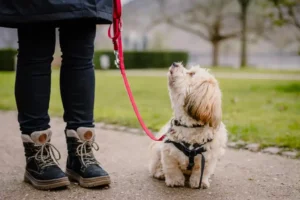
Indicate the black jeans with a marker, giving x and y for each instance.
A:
(33, 76)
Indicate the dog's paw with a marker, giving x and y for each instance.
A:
(205, 184)
(194, 182)
(175, 180)
(159, 175)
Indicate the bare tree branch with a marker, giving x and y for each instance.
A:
(196, 19)
(207, 19)
(230, 35)
(189, 29)
(292, 14)
(286, 11)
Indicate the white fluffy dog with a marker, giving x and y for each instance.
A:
(196, 127)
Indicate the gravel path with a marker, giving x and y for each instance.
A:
(240, 175)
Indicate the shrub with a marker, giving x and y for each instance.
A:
(143, 59)
(7, 59)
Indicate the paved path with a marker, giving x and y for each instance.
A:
(241, 175)
(226, 75)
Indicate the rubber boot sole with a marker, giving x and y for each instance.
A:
(46, 184)
(88, 182)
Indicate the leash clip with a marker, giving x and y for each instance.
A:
(117, 60)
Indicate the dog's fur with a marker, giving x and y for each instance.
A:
(196, 99)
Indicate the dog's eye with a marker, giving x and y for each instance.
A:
(191, 73)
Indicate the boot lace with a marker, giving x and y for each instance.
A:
(86, 154)
(46, 155)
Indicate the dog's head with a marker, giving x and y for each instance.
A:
(195, 93)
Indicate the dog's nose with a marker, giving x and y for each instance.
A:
(174, 64)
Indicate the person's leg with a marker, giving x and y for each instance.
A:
(77, 78)
(77, 83)
(33, 77)
(32, 93)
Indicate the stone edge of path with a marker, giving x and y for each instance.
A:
(254, 147)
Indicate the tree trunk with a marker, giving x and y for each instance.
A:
(243, 56)
(215, 53)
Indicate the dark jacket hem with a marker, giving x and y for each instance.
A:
(99, 17)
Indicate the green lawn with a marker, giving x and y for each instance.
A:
(231, 70)
(263, 111)
(254, 70)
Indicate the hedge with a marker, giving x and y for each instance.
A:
(7, 59)
(143, 59)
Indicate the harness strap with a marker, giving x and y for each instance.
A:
(202, 169)
(191, 155)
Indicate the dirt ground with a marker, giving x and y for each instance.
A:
(240, 175)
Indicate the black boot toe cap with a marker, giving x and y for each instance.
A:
(94, 171)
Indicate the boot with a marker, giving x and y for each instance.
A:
(42, 170)
(82, 165)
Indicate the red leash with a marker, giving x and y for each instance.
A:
(119, 62)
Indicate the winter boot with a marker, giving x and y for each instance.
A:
(42, 169)
(82, 165)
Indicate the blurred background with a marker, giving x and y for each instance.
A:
(227, 33)
(252, 46)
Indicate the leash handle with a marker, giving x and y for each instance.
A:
(119, 62)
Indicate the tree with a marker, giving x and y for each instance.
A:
(211, 20)
(280, 38)
(286, 13)
(244, 5)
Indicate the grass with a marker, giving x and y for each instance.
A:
(263, 111)
(233, 70)
(254, 70)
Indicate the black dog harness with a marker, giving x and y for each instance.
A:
(191, 153)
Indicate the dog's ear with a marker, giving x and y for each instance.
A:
(204, 103)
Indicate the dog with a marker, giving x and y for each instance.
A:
(196, 126)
